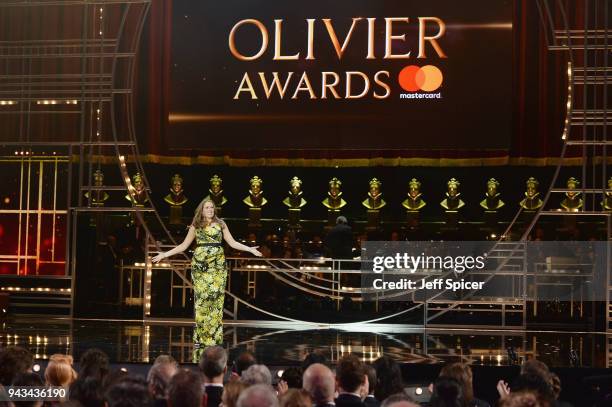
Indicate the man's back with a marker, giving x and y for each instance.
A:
(339, 241)
(349, 400)
(214, 394)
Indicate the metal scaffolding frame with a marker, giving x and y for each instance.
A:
(589, 76)
(93, 85)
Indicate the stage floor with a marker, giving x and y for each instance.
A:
(282, 344)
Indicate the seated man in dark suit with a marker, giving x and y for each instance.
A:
(351, 379)
(213, 365)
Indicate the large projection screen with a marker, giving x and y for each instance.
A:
(342, 74)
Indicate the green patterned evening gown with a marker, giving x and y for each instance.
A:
(209, 274)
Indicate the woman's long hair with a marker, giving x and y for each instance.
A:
(388, 378)
(199, 220)
(463, 374)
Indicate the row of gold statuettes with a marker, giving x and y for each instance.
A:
(334, 201)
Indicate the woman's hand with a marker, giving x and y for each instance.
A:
(158, 258)
(255, 252)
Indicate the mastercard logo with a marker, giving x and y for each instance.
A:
(427, 78)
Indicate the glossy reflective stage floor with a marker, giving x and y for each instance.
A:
(287, 343)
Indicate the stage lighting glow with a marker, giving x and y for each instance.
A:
(147, 287)
(50, 102)
(418, 391)
(280, 373)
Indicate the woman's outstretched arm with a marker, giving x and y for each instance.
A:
(178, 249)
(237, 245)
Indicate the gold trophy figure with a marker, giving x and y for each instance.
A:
(492, 201)
(415, 201)
(374, 200)
(374, 203)
(98, 196)
(255, 201)
(334, 201)
(295, 201)
(138, 194)
(215, 192)
(607, 202)
(532, 200)
(452, 202)
(573, 200)
(176, 199)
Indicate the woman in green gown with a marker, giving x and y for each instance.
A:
(208, 271)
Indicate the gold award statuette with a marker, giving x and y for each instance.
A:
(98, 197)
(137, 194)
(176, 197)
(215, 192)
(295, 200)
(255, 199)
(414, 201)
(532, 200)
(452, 202)
(492, 201)
(607, 202)
(573, 198)
(374, 200)
(334, 199)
